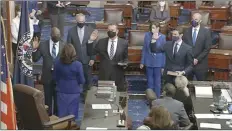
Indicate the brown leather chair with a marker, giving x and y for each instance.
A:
(113, 16)
(136, 37)
(225, 41)
(33, 114)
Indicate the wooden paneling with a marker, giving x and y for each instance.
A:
(121, 28)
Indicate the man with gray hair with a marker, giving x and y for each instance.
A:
(78, 36)
(199, 38)
(176, 108)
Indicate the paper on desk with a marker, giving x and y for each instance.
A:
(204, 116)
(210, 125)
(226, 95)
(101, 106)
(95, 128)
(204, 91)
(214, 116)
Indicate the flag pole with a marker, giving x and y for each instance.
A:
(1, 78)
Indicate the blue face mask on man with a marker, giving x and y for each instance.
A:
(194, 23)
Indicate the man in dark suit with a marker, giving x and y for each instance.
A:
(49, 51)
(113, 51)
(199, 38)
(179, 57)
(174, 107)
(78, 36)
(57, 10)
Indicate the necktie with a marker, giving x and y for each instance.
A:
(54, 51)
(175, 50)
(112, 50)
(80, 34)
(194, 36)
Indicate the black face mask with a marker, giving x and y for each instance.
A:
(80, 25)
(55, 39)
(111, 34)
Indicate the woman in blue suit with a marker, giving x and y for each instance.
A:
(68, 74)
(153, 58)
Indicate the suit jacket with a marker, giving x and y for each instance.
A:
(68, 77)
(156, 15)
(183, 60)
(53, 9)
(109, 69)
(150, 59)
(44, 52)
(202, 46)
(186, 100)
(81, 49)
(176, 110)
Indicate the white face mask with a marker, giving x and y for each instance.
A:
(19, 13)
(162, 3)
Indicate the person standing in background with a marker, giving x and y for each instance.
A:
(15, 29)
(78, 36)
(199, 38)
(68, 75)
(36, 14)
(49, 51)
(57, 10)
(160, 13)
(153, 58)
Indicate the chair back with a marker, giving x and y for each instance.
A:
(136, 37)
(113, 16)
(225, 41)
(102, 33)
(30, 106)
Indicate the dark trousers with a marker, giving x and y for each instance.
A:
(169, 79)
(58, 21)
(88, 79)
(50, 97)
(14, 49)
(201, 74)
(154, 79)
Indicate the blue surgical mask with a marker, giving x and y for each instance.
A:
(175, 38)
(194, 23)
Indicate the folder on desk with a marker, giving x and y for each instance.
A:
(172, 73)
(204, 91)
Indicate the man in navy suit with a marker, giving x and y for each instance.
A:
(179, 57)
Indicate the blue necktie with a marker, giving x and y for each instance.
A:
(194, 36)
(54, 51)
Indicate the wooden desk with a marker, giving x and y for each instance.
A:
(127, 11)
(227, 29)
(121, 28)
(220, 62)
(219, 15)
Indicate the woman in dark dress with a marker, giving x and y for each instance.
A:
(68, 74)
(160, 13)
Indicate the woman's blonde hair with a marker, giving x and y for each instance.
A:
(160, 118)
(166, 7)
(181, 82)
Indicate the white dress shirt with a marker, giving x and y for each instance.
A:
(51, 46)
(115, 45)
(178, 46)
(15, 29)
(81, 32)
(193, 29)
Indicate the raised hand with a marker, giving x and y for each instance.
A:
(35, 43)
(94, 35)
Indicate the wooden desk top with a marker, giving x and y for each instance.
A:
(221, 52)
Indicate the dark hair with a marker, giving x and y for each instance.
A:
(170, 90)
(113, 24)
(68, 54)
(157, 24)
(17, 8)
(179, 29)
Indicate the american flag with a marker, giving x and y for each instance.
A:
(8, 115)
